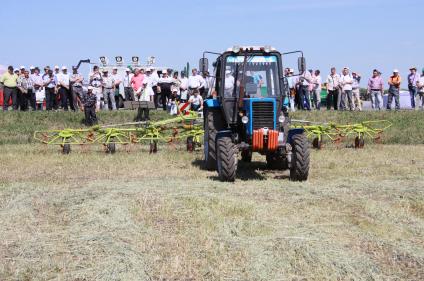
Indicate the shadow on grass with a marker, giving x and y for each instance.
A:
(247, 171)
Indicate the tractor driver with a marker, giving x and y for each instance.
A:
(229, 84)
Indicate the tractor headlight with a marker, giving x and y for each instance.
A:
(282, 118)
(245, 119)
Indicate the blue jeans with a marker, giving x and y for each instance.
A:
(413, 93)
(304, 97)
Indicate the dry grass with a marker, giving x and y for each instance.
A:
(91, 216)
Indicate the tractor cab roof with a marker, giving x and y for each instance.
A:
(237, 49)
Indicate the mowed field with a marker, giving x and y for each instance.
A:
(135, 216)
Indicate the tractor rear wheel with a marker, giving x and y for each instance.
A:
(214, 122)
(276, 162)
(299, 170)
(226, 159)
(246, 155)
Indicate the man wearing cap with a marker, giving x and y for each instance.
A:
(356, 95)
(64, 90)
(76, 82)
(413, 79)
(96, 83)
(39, 93)
(26, 87)
(421, 90)
(108, 90)
(31, 70)
(333, 88)
(183, 87)
(165, 84)
(346, 82)
(376, 90)
(292, 88)
(89, 101)
(9, 80)
(119, 99)
(394, 88)
(56, 70)
(128, 90)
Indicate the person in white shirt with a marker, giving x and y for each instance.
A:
(304, 82)
(128, 90)
(38, 88)
(291, 80)
(183, 87)
(316, 90)
(196, 101)
(356, 91)
(346, 82)
(229, 84)
(195, 81)
(119, 99)
(64, 90)
(420, 85)
(208, 82)
(333, 89)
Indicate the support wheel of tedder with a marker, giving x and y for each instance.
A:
(246, 155)
(226, 159)
(276, 162)
(299, 170)
(317, 143)
(190, 144)
(213, 122)
(359, 142)
(66, 149)
(153, 147)
(111, 148)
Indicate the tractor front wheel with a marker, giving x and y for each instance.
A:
(299, 170)
(214, 122)
(226, 159)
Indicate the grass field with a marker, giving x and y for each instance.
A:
(135, 216)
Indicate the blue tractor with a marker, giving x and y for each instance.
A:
(245, 113)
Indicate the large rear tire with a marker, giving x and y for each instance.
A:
(214, 122)
(299, 170)
(226, 159)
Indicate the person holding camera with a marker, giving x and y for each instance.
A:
(50, 86)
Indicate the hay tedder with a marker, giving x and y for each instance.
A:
(336, 133)
(183, 127)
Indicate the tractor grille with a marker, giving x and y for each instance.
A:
(262, 115)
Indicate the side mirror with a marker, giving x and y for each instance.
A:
(301, 64)
(203, 65)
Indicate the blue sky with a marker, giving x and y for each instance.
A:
(361, 34)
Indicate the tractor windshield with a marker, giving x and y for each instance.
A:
(260, 77)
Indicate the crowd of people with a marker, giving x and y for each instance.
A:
(343, 90)
(56, 89)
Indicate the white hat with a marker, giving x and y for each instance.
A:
(64, 68)
(395, 71)
(90, 88)
(227, 71)
(127, 69)
(291, 70)
(56, 67)
(31, 67)
(115, 68)
(22, 67)
(347, 68)
(165, 71)
(148, 69)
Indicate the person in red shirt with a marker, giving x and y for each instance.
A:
(137, 82)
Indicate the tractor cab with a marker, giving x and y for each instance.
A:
(246, 109)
